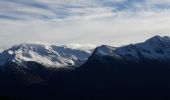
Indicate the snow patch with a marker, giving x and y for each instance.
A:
(49, 55)
(156, 48)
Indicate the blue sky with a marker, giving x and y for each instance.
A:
(112, 22)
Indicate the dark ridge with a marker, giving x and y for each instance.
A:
(114, 79)
(101, 78)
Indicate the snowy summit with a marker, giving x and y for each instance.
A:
(48, 55)
(156, 48)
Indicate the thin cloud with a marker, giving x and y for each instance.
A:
(113, 22)
(61, 9)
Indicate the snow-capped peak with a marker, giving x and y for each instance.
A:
(158, 39)
(156, 48)
(104, 50)
(49, 55)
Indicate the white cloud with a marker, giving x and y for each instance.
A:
(157, 1)
(82, 22)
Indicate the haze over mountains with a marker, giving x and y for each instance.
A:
(156, 48)
(48, 55)
(81, 49)
(116, 72)
(113, 22)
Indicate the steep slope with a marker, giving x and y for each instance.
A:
(48, 55)
(133, 72)
(156, 48)
(139, 71)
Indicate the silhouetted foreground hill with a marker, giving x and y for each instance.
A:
(139, 72)
(115, 80)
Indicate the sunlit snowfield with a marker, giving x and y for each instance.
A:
(84, 49)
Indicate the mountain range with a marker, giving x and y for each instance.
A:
(156, 48)
(48, 55)
(139, 71)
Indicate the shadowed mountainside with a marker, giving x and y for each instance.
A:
(129, 72)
